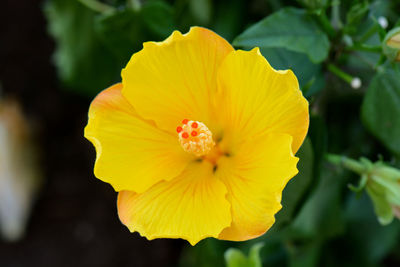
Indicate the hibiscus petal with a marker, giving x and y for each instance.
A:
(192, 206)
(175, 79)
(255, 99)
(255, 178)
(132, 154)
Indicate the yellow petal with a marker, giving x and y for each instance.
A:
(192, 206)
(255, 178)
(172, 80)
(255, 99)
(132, 154)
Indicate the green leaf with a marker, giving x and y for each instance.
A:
(228, 18)
(201, 11)
(254, 254)
(289, 28)
(235, 258)
(322, 216)
(124, 31)
(355, 16)
(297, 186)
(381, 109)
(366, 240)
(158, 17)
(83, 63)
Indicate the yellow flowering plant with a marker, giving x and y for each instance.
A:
(198, 139)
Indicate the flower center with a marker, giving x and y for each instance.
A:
(195, 137)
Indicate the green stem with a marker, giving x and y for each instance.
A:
(341, 74)
(97, 6)
(348, 163)
(353, 165)
(365, 47)
(336, 23)
(326, 24)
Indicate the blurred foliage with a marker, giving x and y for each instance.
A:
(328, 44)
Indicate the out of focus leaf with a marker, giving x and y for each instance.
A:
(288, 28)
(235, 258)
(366, 239)
(228, 18)
(314, 4)
(201, 11)
(298, 185)
(305, 255)
(93, 48)
(158, 17)
(125, 30)
(83, 63)
(381, 109)
(120, 32)
(355, 16)
(322, 216)
(207, 252)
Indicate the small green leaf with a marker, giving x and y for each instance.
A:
(289, 28)
(381, 109)
(235, 257)
(254, 255)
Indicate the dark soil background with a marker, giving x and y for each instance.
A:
(74, 221)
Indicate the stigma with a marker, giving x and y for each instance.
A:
(195, 137)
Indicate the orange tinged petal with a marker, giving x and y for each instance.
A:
(132, 154)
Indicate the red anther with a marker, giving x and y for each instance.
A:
(194, 125)
(185, 135)
(194, 133)
(185, 121)
(179, 129)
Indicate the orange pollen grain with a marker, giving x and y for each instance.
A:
(185, 121)
(195, 125)
(194, 133)
(185, 135)
(179, 129)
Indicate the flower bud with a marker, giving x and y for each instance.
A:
(382, 183)
(383, 187)
(391, 44)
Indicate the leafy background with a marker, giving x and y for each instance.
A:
(57, 55)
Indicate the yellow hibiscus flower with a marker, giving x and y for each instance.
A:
(198, 139)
